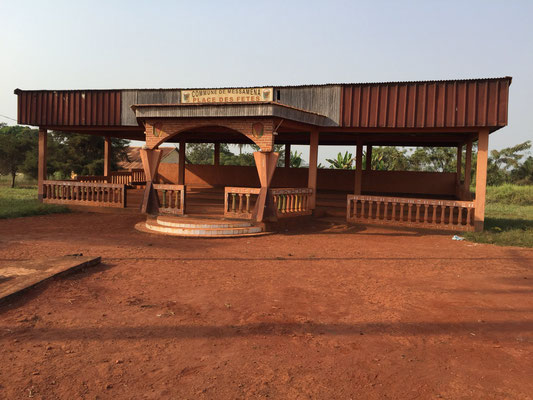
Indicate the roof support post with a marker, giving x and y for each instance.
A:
(266, 165)
(481, 179)
(107, 156)
(287, 156)
(368, 159)
(216, 155)
(358, 167)
(459, 159)
(181, 164)
(41, 165)
(468, 169)
(150, 159)
(313, 159)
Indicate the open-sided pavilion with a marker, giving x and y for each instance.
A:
(452, 113)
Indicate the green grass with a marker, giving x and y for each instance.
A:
(508, 217)
(22, 200)
(510, 194)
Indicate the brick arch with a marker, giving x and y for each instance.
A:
(159, 132)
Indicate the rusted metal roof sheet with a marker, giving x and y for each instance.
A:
(436, 104)
(68, 107)
(419, 104)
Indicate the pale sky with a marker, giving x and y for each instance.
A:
(158, 44)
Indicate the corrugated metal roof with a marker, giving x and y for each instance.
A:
(282, 85)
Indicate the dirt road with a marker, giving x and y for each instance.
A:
(325, 312)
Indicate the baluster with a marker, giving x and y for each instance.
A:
(442, 213)
(402, 206)
(450, 220)
(247, 202)
(293, 205)
(393, 214)
(164, 195)
(417, 215)
(233, 202)
(385, 211)
(409, 215)
(241, 204)
(434, 215)
(468, 216)
(378, 204)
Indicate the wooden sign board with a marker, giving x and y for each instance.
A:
(235, 95)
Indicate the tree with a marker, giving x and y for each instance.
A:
(342, 161)
(83, 154)
(388, 158)
(502, 163)
(434, 159)
(200, 153)
(296, 159)
(523, 174)
(15, 145)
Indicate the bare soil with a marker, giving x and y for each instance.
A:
(323, 311)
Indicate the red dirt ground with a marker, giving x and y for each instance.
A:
(335, 314)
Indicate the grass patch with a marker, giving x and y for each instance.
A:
(22, 202)
(510, 194)
(506, 225)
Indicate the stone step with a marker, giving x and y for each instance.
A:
(200, 223)
(153, 226)
(199, 227)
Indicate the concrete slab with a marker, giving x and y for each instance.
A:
(16, 276)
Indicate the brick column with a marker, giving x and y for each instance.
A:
(459, 164)
(150, 159)
(468, 168)
(41, 164)
(481, 179)
(313, 159)
(287, 156)
(216, 158)
(368, 163)
(107, 156)
(181, 164)
(358, 167)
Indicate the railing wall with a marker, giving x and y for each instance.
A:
(84, 193)
(132, 177)
(171, 198)
(422, 213)
(292, 202)
(239, 202)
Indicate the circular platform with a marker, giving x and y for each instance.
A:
(199, 227)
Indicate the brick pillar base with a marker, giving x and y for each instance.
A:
(150, 159)
(266, 165)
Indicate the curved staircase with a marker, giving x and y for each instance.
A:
(199, 227)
